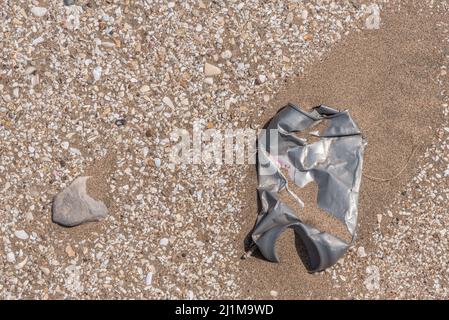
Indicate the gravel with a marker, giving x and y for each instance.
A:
(70, 71)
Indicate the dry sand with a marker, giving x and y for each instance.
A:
(384, 78)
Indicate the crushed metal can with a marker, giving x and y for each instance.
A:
(334, 163)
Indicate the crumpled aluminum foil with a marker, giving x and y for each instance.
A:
(334, 163)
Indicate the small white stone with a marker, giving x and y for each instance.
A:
(163, 242)
(31, 149)
(373, 279)
(262, 78)
(157, 162)
(168, 102)
(45, 270)
(145, 88)
(97, 73)
(199, 28)
(21, 234)
(361, 252)
(149, 279)
(11, 257)
(274, 293)
(226, 54)
(372, 22)
(211, 70)
(39, 11)
(65, 145)
(37, 41)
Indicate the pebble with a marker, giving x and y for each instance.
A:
(361, 252)
(199, 28)
(97, 73)
(168, 102)
(144, 89)
(39, 11)
(226, 54)
(211, 70)
(69, 2)
(157, 162)
(149, 279)
(45, 270)
(70, 252)
(21, 234)
(308, 37)
(274, 293)
(372, 281)
(73, 206)
(163, 242)
(65, 145)
(11, 257)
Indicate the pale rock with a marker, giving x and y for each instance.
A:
(21, 234)
(199, 28)
(144, 89)
(211, 70)
(70, 252)
(97, 73)
(149, 279)
(167, 101)
(11, 257)
(361, 252)
(274, 293)
(226, 54)
(372, 22)
(73, 206)
(163, 242)
(373, 279)
(39, 11)
(45, 270)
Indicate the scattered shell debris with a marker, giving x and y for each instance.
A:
(84, 79)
